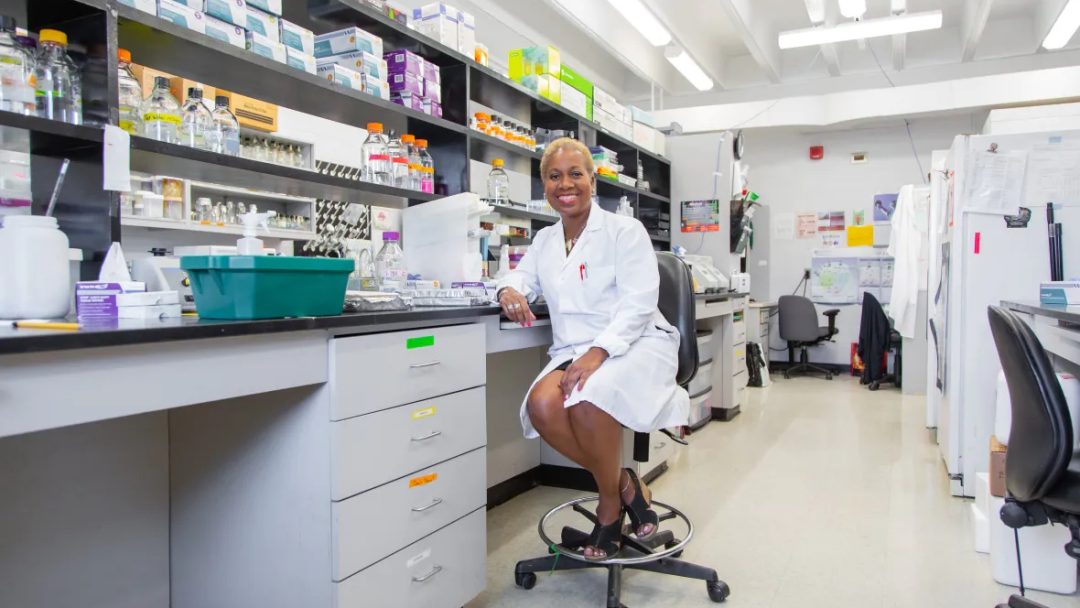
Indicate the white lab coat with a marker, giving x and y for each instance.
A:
(907, 246)
(605, 294)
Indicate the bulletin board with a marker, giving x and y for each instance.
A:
(701, 216)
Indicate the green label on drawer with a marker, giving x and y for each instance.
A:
(421, 342)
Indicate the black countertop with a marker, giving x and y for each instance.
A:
(720, 297)
(1067, 314)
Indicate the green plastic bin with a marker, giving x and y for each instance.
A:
(267, 287)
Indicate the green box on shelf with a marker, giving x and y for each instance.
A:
(267, 287)
(576, 81)
(534, 61)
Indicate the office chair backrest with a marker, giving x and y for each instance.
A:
(798, 319)
(872, 304)
(677, 305)
(1040, 441)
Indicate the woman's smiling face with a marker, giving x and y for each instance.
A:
(568, 183)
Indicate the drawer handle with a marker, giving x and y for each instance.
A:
(660, 445)
(423, 365)
(426, 577)
(431, 435)
(434, 503)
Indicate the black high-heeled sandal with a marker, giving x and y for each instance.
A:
(638, 508)
(605, 538)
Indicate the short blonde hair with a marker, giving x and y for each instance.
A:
(566, 143)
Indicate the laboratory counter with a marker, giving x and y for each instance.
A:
(1056, 326)
(1066, 314)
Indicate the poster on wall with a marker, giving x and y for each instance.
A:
(784, 226)
(884, 207)
(701, 216)
(858, 218)
(834, 280)
(806, 226)
(832, 240)
(831, 221)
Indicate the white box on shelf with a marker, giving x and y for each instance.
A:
(261, 45)
(263, 24)
(575, 101)
(299, 60)
(225, 32)
(466, 42)
(147, 6)
(296, 37)
(645, 136)
(164, 311)
(182, 15)
(1046, 565)
(642, 116)
(361, 61)
(147, 298)
(342, 76)
(348, 40)
(270, 6)
(438, 20)
(229, 11)
(376, 87)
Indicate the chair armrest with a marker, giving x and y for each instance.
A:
(831, 313)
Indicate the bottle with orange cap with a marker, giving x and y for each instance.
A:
(54, 91)
(427, 168)
(499, 183)
(413, 154)
(376, 154)
(131, 95)
(399, 162)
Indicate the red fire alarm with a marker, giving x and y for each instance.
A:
(817, 152)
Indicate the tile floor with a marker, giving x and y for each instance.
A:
(821, 494)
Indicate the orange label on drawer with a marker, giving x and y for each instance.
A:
(427, 412)
(423, 480)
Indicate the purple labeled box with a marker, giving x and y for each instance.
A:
(431, 71)
(436, 109)
(432, 90)
(404, 62)
(408, 100)
(407, 83)
(98, 299)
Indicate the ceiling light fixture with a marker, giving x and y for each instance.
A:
(1064, 28)
(867, 28)
(853, 9)
(898, 6)
(688, 67)
(644, 20)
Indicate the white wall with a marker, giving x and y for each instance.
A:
(789, 182)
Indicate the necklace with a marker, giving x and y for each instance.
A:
(570, 242)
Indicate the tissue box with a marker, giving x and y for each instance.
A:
(348, 40)
(299, 60)
(466, 42)
(376, 87)
(261, 45)
(98, 298)
(361, 61)
(438, 20)
(147, 6)
(404, 62)
(225, 32)
(230, 11)
(296, 37)
(342, 76)
(262, 24)
(270, 6)
(400, 83)
(182, 15)
(1059, 292)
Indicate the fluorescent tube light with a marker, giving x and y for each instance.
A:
(644, 20)
(853, 9)
(1064, 28)
(867, 28)
(688, 67)
(898, 6)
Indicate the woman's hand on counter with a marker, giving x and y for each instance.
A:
(516, 307)
(579, 371)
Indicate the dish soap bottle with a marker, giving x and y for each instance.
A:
(249, 245)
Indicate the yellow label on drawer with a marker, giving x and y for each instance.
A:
(427, 412)
(423, 480)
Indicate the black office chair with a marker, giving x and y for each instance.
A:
(1042, 474)
(799, 328)
(877, 337)
(660, 554)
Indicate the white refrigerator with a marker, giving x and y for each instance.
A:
(980, 261)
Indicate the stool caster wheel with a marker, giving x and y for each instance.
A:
(875, 385)
(527, 580)
(672, 543)
(718, 590)
(787, 376)
(828, 376)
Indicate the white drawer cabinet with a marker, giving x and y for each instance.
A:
(447, 568)
(702, 380)
(372, 373)
(372, 525)
(375, 448)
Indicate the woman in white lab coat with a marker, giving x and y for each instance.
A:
(614, 357)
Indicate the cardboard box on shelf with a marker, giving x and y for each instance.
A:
(252, 113)
(645, 136)
(179, 88)
(147, 6)
(361, 61)
(402, 61)
(645, 118)
(998, 452)
(400, 83)
(438, 21)
(535, 60)
(432, 90)
(225, 32)
(576, 101)
(266, 47)
(229, 11)
(348, 40)
(576, 81)
(263, 24)
(341, 75)
(294, 36)
(270, 6)
(299, 60)
(376, 87)
(146, 77)
(182, 15)
(466, 42)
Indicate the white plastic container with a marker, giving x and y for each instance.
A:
(35, 278)
(1046, 565)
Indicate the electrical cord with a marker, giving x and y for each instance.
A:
(907, 123)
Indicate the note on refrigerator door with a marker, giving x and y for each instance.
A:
(1053, 175)
(997, 181)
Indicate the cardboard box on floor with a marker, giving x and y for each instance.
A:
(998, 451)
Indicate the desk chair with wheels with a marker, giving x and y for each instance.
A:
(876, 338)
(1042, 474)
(660, 554)
(799, 328)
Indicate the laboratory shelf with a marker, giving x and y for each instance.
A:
(660, 238)
(165, 46)
(488, 140)
(160, 158)
(654, 196)
(52, 137)
(518, 212)
(602, 183)
(189, 226)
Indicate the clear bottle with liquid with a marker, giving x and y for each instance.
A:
(52, 77)
(16, 71)
(498, 183)
(376, 155)
(427, 168)
(415, 168)
(76, 73)
(196, 121)
(399, 163)
(131, 95)
(390, 268)
(226, 132)
(161, 113)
